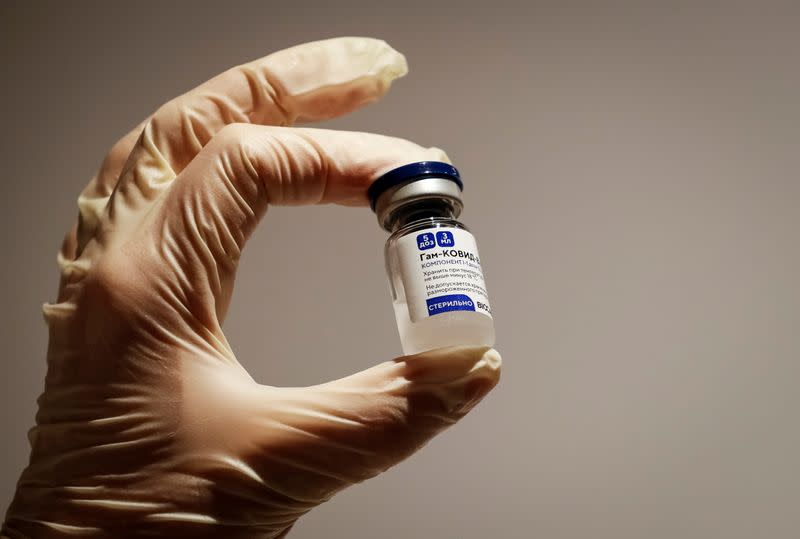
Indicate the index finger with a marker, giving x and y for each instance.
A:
(309, 82)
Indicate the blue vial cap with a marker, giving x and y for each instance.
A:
(412, 172)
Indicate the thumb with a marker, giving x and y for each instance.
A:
(312, 442)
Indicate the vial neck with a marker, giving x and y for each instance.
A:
(418, 210)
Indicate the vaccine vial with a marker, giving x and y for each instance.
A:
(432, 260)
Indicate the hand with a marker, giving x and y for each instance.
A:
(148, 425)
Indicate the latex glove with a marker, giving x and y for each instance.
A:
(148, 424)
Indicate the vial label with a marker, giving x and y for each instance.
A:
(441, 272)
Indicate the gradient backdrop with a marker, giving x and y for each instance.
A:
(631, 174)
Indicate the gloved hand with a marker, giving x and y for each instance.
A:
(148, 425)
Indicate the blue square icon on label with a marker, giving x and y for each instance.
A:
(445, 239)
(425, 241)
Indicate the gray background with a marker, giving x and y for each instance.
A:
(632, 177)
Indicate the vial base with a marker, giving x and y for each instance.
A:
(455, 328)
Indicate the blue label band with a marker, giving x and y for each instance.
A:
(452, 302)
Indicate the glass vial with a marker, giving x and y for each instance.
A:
(432, 260)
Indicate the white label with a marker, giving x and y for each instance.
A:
(441, 272)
